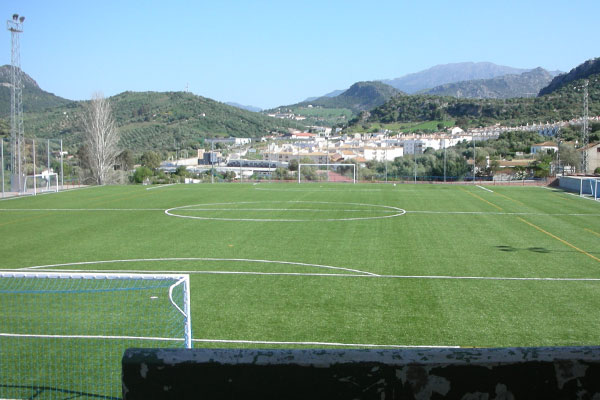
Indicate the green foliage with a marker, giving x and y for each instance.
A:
(158, 121)
(141, 174)
(597, 171)
(151, 160)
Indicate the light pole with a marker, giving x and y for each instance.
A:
(17, 137)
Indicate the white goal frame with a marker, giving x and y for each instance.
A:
(180, 279)
(36, 374)
(328, 165)
(47, 177)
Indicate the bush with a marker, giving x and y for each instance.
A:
(597, 171)
(141, 173)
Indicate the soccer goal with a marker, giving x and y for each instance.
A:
(40, 183)
(327, 173)
(62, 335)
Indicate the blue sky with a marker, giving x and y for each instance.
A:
(270, 53)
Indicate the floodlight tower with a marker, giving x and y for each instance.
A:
(585, 137)
(17, 137)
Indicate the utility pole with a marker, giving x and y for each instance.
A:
(17, 136)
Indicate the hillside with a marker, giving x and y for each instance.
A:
(527, 84)
(243, 107)
(449, 73)
(34, 98)
(582, 71)
(563, 104)
(359, 97)
(158, 121)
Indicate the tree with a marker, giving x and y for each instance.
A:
(101, 138)
(141, 173)
(151, 160)
(126, 160)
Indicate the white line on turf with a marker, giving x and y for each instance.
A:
(201, 259)
(320, 343)
(160, 186)
(481, 187)
(305, 274)
(499, 213)
(150, 338)
(173, 212)
(82, 209)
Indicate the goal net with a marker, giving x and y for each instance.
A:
(327, 173)
(41, 183)
(62, 335)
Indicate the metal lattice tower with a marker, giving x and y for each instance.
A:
(15, 26)
(585, 127)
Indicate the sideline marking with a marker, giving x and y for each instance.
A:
(481, 198)
(81, 209)
(172, 212)
(481, 187)
(559, 239)
(201, 259)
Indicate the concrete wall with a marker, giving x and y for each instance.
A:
(506, 373)
(573, 184)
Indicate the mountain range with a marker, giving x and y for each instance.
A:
(449, 73)
(525, 84)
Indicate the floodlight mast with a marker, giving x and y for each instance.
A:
(585, 128)
(17, 137)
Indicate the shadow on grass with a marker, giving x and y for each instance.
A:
(56, 392)
(532, 249)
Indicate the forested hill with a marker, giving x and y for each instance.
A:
(34, 98)
(582, 71)
(359, 97)
(563, 104)
(527, 84)
(158, 121)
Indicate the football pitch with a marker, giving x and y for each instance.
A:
(323, 265)
(336, 265)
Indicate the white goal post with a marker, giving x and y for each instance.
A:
(39, 183)
(63, 335)
(327, 173)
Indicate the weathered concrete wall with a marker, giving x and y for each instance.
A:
(507, 373)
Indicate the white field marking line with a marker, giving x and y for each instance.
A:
(282, 209)
(160, 186)
(320, 344)
(45, 336)
(305, 274)
(200, 259)
(399, 212)
(318, 190)
(81, 209)
(583, 197)
(42, 336)
(501, 213)
(481, 187)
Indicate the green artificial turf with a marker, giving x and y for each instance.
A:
(314, 265)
